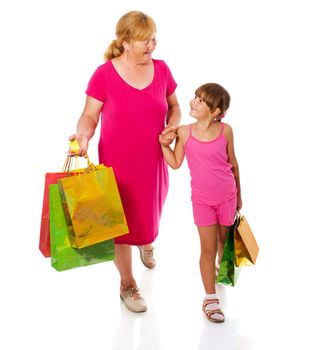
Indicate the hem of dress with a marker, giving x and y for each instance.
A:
(135, 243)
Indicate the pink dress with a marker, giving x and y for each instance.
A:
(131, 121)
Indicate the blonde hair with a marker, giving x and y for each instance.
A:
(134, 25)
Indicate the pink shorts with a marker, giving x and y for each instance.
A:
(223, 214)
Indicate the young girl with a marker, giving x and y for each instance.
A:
(209, 148)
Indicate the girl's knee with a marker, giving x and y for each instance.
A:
(209, 254)
(221, 244)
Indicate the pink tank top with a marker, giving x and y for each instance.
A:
(212, 179)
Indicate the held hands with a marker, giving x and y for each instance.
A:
(83, 144)
(167, 136)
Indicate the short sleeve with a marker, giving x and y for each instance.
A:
(97, 86)
(171, 83)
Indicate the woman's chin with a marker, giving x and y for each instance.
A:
(147, 57)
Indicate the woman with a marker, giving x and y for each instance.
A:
(135, 96)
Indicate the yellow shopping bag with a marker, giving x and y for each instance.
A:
(92, 206)
(246, 248)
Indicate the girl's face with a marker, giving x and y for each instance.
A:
(199, 109)
(141, 51)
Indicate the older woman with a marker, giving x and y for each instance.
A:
(135, 96)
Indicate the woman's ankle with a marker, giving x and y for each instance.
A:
(147, 247)
(125, 286)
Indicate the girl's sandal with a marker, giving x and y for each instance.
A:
(210, 313)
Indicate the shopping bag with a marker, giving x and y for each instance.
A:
(63, 256)
(92, 206)
(44, 245)
(246, 248)
(228, 272)
(51, 178)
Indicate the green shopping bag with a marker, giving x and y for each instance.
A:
(63, 256)
(228, 272)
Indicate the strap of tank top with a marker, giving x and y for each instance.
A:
(222, 128)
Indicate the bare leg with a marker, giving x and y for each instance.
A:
(123, 262)
(209, 247)
(208, 238)
(222, 234)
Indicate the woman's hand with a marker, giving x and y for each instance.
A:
(167, 136)
(83, 144)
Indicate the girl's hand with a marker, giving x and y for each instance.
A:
(169, 129)
(167, 136)
(239, 203)
(83, 144)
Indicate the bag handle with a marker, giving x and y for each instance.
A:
(73, 155)
(238, 217)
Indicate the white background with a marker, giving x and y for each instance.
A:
(258, 51)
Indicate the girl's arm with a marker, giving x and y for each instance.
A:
(175, 158)
(233, 161)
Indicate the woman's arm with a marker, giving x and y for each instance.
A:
(175, 158)
(173, 113)
(233, 161)
(172, 121)
(87, 123)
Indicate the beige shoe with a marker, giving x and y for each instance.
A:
(133, 300)
(147, 257)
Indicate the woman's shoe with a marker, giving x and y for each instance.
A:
(147, 257)
(133, 300)
(215, 315)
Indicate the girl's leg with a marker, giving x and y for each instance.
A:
(222, 234)
(208, 239)
(226, 214)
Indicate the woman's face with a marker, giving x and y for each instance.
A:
(141, 51)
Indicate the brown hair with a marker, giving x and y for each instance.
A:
(215, 96)
(134, 25)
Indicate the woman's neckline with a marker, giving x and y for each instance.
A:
(131, 86)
